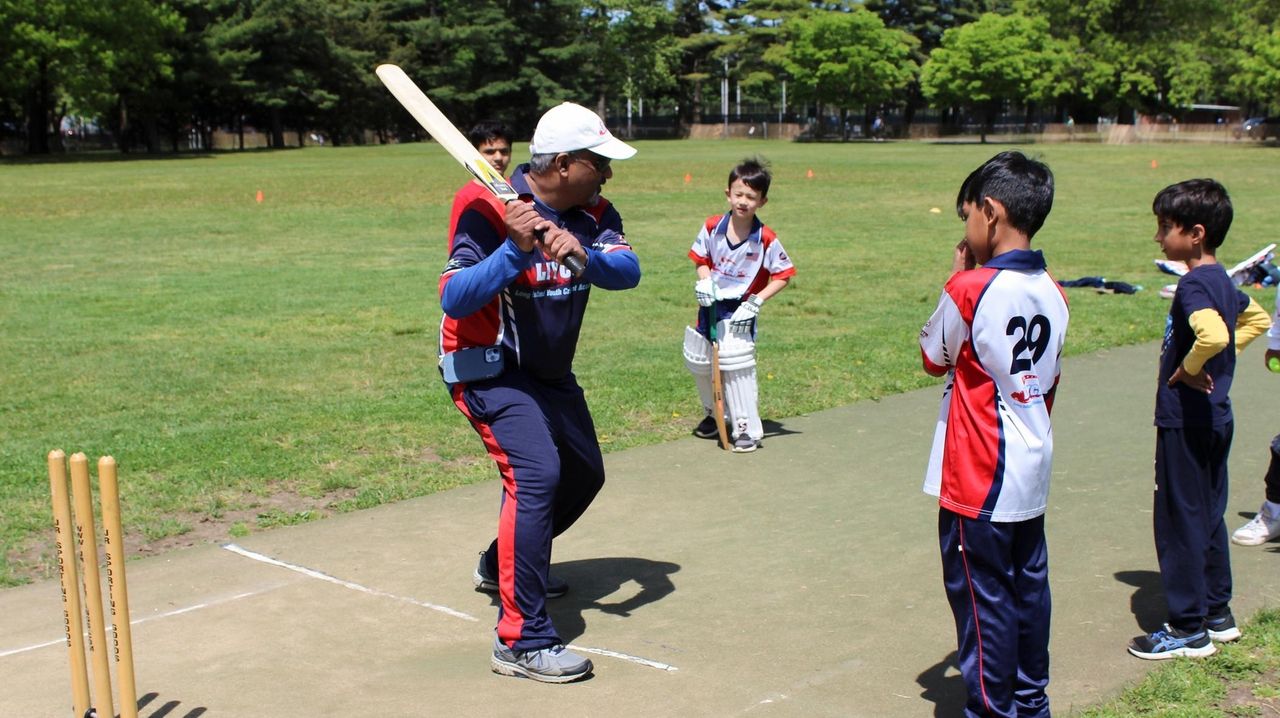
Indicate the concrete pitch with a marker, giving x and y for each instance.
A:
(802, 580)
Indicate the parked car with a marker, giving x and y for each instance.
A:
(1259, 128)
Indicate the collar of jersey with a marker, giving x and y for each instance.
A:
(1018, 259)
(722, 228)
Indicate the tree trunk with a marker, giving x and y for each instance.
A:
(38, 113)
(277, 129)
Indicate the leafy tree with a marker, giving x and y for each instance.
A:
(926, 21)
(846, 59)
(997, 59)
(1151, 55)
(648, 54)
(68, 55)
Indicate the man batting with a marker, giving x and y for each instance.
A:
(513, 312)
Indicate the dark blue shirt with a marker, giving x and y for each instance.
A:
(1180, 406)
(540, 305)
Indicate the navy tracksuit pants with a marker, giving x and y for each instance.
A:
(541, 436)
(1191, 535)
(997, 580)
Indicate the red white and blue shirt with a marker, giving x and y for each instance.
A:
(742, 269)
(492, 293)
(999, 331)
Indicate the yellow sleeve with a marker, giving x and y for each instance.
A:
(1211, 337)
(1250, 325)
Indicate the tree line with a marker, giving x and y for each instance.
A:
(153, 71)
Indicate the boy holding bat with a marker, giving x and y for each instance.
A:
(740, 264)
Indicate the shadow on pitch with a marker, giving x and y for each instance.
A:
(1147, 603)
(167, 709)
(771, 429)
(944, 687)
(617, 586)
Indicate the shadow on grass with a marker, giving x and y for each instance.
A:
(945, 692)
(1147, 603)
(593, 580)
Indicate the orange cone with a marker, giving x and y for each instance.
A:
(259, 197)
(1153, 164)
(688, 178)
(809, 174)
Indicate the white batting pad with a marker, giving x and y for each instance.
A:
(737, 351)
(740, 396)
(697, 358)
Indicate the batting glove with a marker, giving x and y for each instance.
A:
(744, 315)
(705, 291)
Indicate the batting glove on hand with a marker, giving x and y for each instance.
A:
(744, 315)
(705, 291)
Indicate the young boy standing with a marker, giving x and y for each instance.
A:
(1209, 322)
(493, 140)
(740, 265)
(998, 333)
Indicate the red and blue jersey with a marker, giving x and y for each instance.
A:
(742, 269)
(492, 293)
(999, 331)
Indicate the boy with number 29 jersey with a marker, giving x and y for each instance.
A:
(1002, 327)
(998, 334)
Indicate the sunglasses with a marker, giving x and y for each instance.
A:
(601, 164)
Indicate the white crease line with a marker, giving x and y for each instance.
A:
(233, 548)
(136, 621)
(625, 657)
(443, 609)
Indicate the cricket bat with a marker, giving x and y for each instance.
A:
(453, 141)
(717, 383)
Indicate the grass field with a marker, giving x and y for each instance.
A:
(256, 364)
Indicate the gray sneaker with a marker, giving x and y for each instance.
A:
(744, 444)
(487, 582)
(554, 664)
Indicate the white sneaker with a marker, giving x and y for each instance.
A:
(1264, 527)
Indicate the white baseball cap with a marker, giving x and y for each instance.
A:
(569, 127)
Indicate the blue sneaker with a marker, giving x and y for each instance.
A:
(1169, 642)
(487, 582)
(1222, 628)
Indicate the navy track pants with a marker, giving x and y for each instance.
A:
(1191, 535)
(997, 580)
(543, 441)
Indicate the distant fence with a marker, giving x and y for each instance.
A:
(1107, 133)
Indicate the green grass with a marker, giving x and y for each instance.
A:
(1239, 680)
(255, 365)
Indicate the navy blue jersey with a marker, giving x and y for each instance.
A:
(1179, 406)
(527, 302)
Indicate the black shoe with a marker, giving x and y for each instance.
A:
(706, 429)
(1169, 642)
(1222, 628)
(487, 582)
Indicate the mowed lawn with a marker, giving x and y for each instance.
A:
(254, 364)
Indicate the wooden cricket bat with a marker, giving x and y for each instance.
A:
(717, 384)
(453, 141)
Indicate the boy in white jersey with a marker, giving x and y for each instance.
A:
(740, 265)
(997, 334)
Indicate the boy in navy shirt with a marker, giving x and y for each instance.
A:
(1209, 322)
